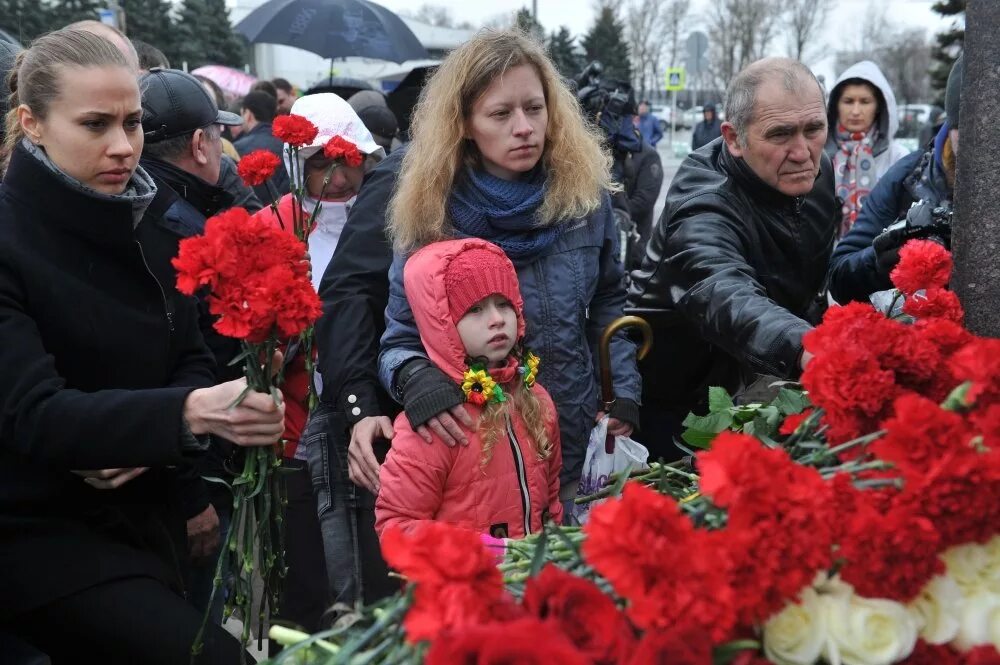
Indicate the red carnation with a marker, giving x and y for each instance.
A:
(295, 130)
(673, 647)
(979, 362)
(672, 574)
(340, 148)
(258, 284)
(256, 167)
(456, 578)
(923, 264)
(896, 564)
(986, 654)
(792, 422)
(919, 434)
(780, 517)
(582, 612)
(960, 495)
(526, 641)
(933, 654)
(934, 303)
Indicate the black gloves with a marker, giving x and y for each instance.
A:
(426, 391)
(887, 245)
(625, 410)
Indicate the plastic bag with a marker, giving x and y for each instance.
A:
(600, 463)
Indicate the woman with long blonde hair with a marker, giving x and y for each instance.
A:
(501, 151)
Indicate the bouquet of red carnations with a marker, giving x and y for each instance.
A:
(256, 282)
(256, 169)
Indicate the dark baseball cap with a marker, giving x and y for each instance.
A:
(175, 103)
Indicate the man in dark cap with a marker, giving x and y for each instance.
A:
(183, 152)
(914, 193)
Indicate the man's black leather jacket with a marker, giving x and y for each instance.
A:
(731, 276)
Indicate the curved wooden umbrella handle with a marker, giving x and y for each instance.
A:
(604, 350)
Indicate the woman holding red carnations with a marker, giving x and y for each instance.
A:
(107, 382)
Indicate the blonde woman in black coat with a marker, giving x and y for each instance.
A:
(106, 381)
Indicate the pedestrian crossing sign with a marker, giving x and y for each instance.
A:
(675, 79)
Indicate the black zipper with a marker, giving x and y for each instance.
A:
(163, 295)
(522, 476)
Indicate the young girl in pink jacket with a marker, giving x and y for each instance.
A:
(505, 482)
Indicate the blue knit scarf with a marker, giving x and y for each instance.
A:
(504, 212)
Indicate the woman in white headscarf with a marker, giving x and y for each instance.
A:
(305, 597)
(862, 121)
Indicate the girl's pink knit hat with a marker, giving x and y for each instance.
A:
(476, 274)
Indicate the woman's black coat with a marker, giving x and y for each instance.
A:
(98, 353)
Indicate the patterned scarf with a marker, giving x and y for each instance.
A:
(854, 168)
(503, 212)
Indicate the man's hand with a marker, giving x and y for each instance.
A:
(110, 479)
(203, 534)
(806, 358)
(445, 426)
(362, 466)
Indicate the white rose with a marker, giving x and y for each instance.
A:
(796, 634)
(966, 565)
(868, 631)
(991, 571)
(980, 621)
(937, 610)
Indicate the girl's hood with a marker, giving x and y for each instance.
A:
(424, 283)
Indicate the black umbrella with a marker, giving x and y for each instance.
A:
(333, 29)
(343, 86)
(404, 96)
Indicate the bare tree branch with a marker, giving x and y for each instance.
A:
(804, 21)
(741, 30)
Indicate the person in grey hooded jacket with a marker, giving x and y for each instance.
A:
(862, 118)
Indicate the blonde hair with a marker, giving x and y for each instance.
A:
(34, 78)
(577, 167)
(523, 402)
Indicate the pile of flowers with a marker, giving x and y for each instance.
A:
(863, 528)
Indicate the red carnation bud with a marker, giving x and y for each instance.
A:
(257, 167)
(295, 130)
(340, 148)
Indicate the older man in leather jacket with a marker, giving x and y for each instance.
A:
(733, 271)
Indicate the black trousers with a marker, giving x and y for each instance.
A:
(303, 596)
(127, 621)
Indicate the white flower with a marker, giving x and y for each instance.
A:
(868, 631)
(980, 621)
(796, 634)
(967, 565)
(937, 610)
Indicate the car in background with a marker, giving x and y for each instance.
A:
(913, 117)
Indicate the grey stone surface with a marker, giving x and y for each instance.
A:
(976, 233)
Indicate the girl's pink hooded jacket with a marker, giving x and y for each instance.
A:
(513, 494)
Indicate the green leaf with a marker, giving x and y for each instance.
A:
(538, 558)
(791, 402)
(719, 400)
(702, 429)
(713, 422)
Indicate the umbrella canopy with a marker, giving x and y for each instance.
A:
(342, 86)
(232, 81)
(403, 98)
(333, 29)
